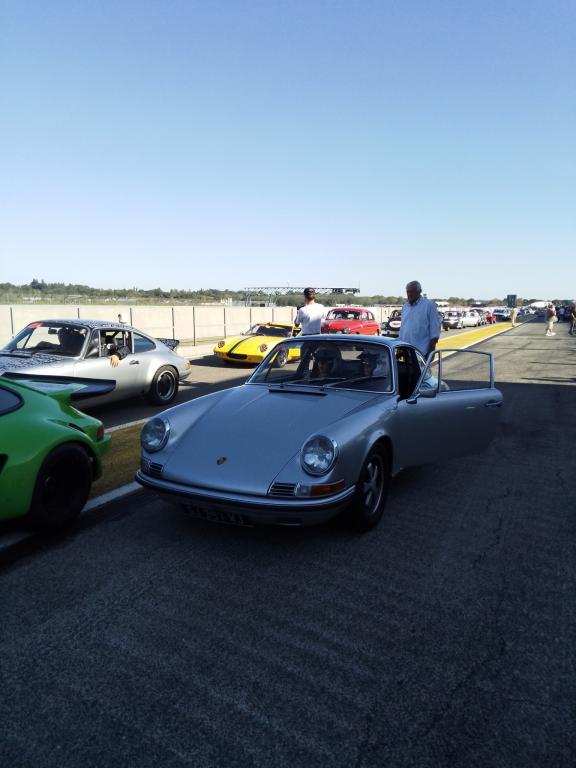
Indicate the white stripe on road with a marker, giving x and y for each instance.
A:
(125, 426)
(106, 498)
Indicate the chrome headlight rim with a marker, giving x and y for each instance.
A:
(330, 446)
(150, 442)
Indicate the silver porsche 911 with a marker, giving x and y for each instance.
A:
(83, 348)
(319, 429)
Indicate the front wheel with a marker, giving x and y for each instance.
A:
(367, 506)
(62, 487)
(164, 387)
(281, 358)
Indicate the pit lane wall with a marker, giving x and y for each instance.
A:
(190, 324)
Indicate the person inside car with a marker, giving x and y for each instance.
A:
(374, 364)
(108, 343)
(116, 349)
(326, 362)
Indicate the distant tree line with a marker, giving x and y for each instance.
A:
(42, 291)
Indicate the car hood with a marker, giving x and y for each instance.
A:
(20, 361)
(245, 436)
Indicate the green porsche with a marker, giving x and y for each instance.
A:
(50, 452)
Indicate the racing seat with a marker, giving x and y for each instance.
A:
(71, 341)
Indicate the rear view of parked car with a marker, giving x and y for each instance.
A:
(452, 319)
(471, 319)
(51, 452)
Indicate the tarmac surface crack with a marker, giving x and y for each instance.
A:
(496, 530)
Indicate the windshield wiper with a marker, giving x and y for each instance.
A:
(356, 380)
(15, 352)
(297, 388)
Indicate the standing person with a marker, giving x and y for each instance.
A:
(572, 330)
(310, 315)
(550, 316)
(421, 322)
(513, 316)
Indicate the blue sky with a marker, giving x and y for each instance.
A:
(183, 144)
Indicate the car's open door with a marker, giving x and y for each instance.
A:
(454, 409)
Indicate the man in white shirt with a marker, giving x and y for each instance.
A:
(310, 315)
(420, 324)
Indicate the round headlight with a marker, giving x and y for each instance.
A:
(155, 435)
(318, 455)
(263, 347)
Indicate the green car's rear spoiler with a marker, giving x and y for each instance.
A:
(73, 387)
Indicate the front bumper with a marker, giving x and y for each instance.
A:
(252, 509)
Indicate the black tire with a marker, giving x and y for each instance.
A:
(62, 488)
(164, 387)
(369, 502)
(281, 358)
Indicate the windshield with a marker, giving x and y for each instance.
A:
(324, 363)
(54, 338)
(343, 314)
(262, 329)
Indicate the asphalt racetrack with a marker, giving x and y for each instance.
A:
(445, 637)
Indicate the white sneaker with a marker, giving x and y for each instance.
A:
(552, 334)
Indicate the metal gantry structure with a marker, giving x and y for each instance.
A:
(284, 290)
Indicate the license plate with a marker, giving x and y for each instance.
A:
(217, 516)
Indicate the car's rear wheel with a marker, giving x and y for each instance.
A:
(164, 387)
(61, 488)
(367, 506)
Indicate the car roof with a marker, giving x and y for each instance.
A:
(86, 323)
(357, 338)
(351, 309)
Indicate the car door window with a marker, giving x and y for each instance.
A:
(117, 337)
(463, 370)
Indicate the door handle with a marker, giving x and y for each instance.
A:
(134, 362)
(493, 404)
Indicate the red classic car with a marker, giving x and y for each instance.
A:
(351, 320)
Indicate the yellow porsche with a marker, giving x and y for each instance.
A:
(254, 344)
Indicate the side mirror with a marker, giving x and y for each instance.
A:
(427, 393)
